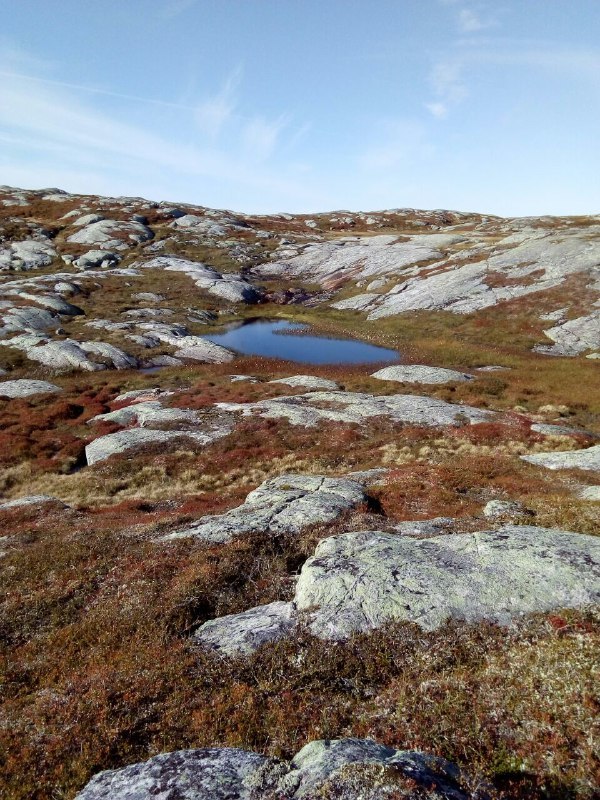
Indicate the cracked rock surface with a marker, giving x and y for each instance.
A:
(359, 581)
(287, 503)
(310, 409)
(346, 769)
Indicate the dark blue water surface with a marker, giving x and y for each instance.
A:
(263, 338)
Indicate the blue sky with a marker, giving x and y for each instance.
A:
(306, 105)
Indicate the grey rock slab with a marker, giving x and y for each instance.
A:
(96, 258)
(228, 286)
(56, 304)
(87, 219)
(415, 373)
(336, 262)
(120, 442)
(310, 409)
(308, 382)
(287, 504)
(141, 395)
(31, 500)
(26, 255)
(58, 355)
(326, 768)
(573, 337)
(28, 318)
(558, 430)
(590, 493)
(26, 388)
(113, 356)
(147, 414)
(208, 774)
(112, 234)
(360, 581)
(66, 287)
(148, 297)
(195, 348)
(588, 459)
(242, 634)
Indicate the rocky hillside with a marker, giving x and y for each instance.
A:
(235, 576)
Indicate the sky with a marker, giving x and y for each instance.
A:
(306, 105)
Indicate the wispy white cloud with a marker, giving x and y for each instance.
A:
(470, 22)
(213, 113)
(398, 143)
(173, 8)
(438, 109)
(51, 122)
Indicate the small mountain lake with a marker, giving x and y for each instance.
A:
(288, 340)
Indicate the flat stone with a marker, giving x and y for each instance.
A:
(588, 459)
(414, 373)
(120, 442)
(310, 409)
(308, 382)
(287, 504)
(31, 500)
(360, 581)
(26, 388)
(242, 634)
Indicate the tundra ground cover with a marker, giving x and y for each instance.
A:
(98, 668)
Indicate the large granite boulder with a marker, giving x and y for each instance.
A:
(360, 581)
(344, 769)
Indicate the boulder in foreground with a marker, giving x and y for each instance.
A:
(346, 769)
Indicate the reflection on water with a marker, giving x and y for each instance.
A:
(263, 338)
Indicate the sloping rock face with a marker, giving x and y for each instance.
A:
(112, 234)
(228, 286)
(288, 503)
(359, 581)
(205, 432)
(310, 409)
(573, 337)
(326, 768)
